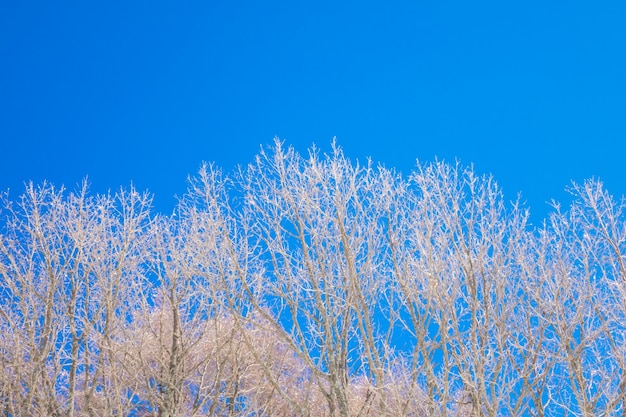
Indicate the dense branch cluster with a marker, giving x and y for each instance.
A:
(312, 286)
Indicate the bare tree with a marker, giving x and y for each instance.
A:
(320, 223)
(581, 302)
(67, 266)
(455, 251)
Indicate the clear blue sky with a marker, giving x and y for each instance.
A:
(533, 92)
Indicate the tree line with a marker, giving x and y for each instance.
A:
(312, 285)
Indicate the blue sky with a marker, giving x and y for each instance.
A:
(532, 92)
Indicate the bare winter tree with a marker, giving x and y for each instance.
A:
(321, 225)
(68, 264)
(579, 297)
(185, 346)
(455, 255)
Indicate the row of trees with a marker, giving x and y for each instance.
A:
(312, 286)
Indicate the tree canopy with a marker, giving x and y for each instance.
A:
(313, 285)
